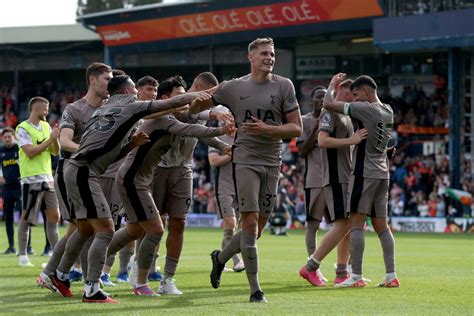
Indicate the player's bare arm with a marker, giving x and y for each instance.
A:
(329, 103)
(180, 100)
(65, 140)
(217, 160)
(326, 141)
(306, 146)
(292, 128)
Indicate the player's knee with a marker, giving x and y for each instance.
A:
(230, 223)
(176, 225)
(134, 230)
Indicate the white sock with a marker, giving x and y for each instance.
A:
(62, 276)
(23, 258)
(77, 270)
(139, 285)
(357, 276)
(390, 276)
(314, 259)
(90, 288)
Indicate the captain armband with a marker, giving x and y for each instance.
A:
(347, 108)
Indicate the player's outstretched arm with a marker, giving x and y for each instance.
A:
(326, 141)
(292, 128)
(178, 101)
(329, 102)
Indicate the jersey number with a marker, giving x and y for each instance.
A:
(108, 120)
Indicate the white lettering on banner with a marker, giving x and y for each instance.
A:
(234, 17)
(302, 13)
(116, 35)
(260, 17)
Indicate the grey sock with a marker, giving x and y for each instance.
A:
(96, 255)
(83, 257)
(147, 251)
(170, 266)
(153, 263)
(137, 244)
(232, 248)
(23, 234)
(341, 270)
(109, 262)
(124, 258)
(52, 233)
(58, 252)
(248, 245)
(72, 250)
(310, 236)
(120, 240)
(357, 249)
(388, 247)
(312, 265)
(228, 233)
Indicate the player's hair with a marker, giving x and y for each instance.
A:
(166, 87)
(260, 41)
(362, 81)
(315, 89)
(147, 81)
(346, 84)
(35, 100)
(209, 78)
(117, 84)
(8, 129)
(118, 72)
(96, 69)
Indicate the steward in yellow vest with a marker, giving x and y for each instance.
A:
(37, 143)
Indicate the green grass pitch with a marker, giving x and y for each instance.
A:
(436, 273)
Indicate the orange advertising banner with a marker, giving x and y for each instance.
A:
(410, 129)
(288, 13)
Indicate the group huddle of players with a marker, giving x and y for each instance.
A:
(128, 153)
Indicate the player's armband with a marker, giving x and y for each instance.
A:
(347, 108)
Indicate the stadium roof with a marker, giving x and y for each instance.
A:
(45, 34)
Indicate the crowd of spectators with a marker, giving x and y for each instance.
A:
(417, 181)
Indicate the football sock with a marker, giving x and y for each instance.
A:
(232, 248)
(23, 234)
(341, 270)
(248, 245)
(58, 252)
(83, 257)
(120, 240)
(311, 235)
(312, 264)
(357, 249)
(146, 253)
(124, 258)
(96, 255)
(52, 234)
(72, 250)
(170, 267)
(388, 248)
(228, 233)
